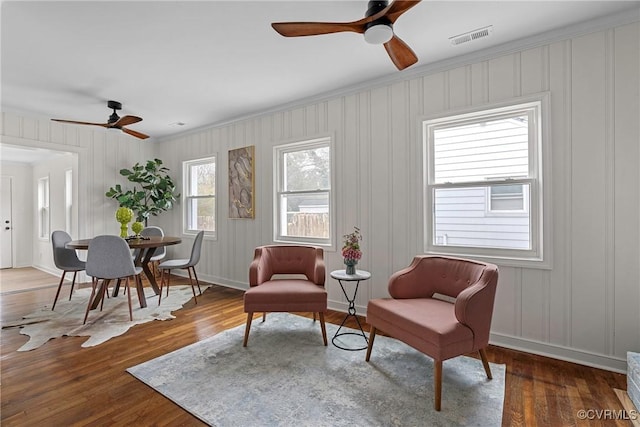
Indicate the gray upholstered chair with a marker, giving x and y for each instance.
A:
(160, 252)
(109, 258)
(65, 259)
(185, 264)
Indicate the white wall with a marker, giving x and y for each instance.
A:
(22, 210)
(586, 307)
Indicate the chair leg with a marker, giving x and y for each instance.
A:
(437, 384)
(197, 281)
(323, 327)
(247, 328)
(485, 362)
(64, 272)
(93, 292)
(161, 285)
(73, 282)
(264, 316)
(126, 284)
(193, 289)
(372, 336)
(314, 316)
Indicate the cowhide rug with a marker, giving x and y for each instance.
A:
(45, 324)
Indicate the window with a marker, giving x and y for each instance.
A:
(199, 180)
(43, 208)
(483, 183)
(303, 198)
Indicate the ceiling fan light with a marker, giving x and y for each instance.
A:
(378, 34)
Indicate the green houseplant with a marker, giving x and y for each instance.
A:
(153, 190)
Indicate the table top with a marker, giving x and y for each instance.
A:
(151, 242)
(342, 275)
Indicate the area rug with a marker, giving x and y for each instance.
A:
(45, 324)
(286, 377)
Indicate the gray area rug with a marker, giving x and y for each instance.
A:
(286, 377)
(45, 324)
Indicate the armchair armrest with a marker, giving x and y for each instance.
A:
(259, 270)
(474, 306)
(318, 268)
(411, 282)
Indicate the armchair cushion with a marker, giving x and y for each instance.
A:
(286, 295)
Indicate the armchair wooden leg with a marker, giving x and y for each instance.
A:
(264, 316)
(437, 384)
(323, 327)
(485, 362)
(372, 336)
(247, 328)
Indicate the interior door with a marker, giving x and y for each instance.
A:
(6, 230)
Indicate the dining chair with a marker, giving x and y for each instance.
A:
(65, 259)
(109, 258)
(160, 252)
(184, 264)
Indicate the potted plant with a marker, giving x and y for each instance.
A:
(153, 190)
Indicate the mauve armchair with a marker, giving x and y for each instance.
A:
(442, 307)
(286, 294)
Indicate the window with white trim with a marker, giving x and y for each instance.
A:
(68, 201)
(303, 197)
(199, 189)
(483, 183)
(43, 208)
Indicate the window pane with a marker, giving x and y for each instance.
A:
(483, 150)
(507, 198)
(307, 169)
(203, 179)
(307, 215)
(460, 219)
(201, 214)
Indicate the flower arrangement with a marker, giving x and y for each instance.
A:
(351, 249)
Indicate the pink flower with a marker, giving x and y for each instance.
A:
(351, 248)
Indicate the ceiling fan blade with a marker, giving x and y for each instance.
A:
(399, 7)
(401, 54)
(81, 123)
(297, 29)
(134, 133)
(126, 120)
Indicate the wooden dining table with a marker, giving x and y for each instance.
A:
(147, 246)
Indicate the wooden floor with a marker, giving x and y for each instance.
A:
(62, 384)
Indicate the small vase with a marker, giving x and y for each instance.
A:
(351, 265)
(124, 229)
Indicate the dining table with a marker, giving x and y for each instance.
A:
(147, 246)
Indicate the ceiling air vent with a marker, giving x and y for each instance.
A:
(471, 35)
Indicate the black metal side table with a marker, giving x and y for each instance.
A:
(342, 276)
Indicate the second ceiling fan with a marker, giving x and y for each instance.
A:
(377, 27)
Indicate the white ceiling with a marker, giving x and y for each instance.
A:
(209, 62)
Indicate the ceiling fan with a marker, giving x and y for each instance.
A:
(114, 122)
(377, 27)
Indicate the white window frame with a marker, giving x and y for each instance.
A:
(538, 180)
(278, 184)
(186, 191)
(68, 201)
(44, 215)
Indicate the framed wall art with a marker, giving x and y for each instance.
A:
(241, 183)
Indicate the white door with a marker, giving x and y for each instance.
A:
(6, 227)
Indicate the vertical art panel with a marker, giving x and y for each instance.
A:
(241, 183)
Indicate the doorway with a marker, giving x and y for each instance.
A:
(6, 232)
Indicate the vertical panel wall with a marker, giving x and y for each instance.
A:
(586, 307)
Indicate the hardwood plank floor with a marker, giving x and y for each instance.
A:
(62, 384)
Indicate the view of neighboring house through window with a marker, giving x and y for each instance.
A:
(199, 196)
(483, 192)
(43, 208)
(303, 196)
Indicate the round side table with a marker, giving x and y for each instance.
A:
(341, 276)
